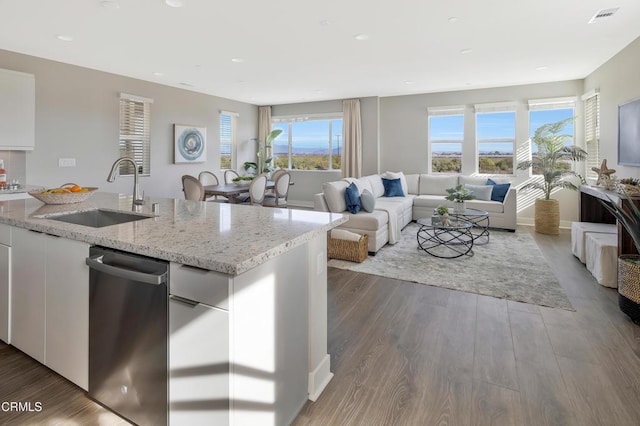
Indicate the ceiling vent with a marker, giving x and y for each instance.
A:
(603, 14)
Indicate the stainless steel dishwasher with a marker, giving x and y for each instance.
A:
(128, 329)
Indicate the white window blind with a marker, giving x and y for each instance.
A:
(592, 131)
(135, 133)
(448, 110)
(495, 107)
(554, 103)
(227, 139)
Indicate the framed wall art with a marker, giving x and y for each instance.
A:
(190, 144)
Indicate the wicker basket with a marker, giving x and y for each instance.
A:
(547, 216)
(64, 198)
(354, 251)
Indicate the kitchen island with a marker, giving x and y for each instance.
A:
(265, 267)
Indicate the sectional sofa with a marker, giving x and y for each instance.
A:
(422, 193)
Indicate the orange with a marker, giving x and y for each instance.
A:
(75, 188)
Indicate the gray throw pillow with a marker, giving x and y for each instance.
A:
(367, 200)
(481, 192)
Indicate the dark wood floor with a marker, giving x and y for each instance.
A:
(409, 354)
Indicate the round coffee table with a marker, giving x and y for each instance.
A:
(480, 221)
(445, 242)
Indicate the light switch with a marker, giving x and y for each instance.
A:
(320, 263)
(66, 162)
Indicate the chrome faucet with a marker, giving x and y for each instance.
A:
(114, 172)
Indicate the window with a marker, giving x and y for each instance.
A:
(546, 111)
(135, 133)
(496, 136)
(227, 139)
(446, 134)
(308, 142)
(592, 131)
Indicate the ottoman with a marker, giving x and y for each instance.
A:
(578, 232)
(602, 258)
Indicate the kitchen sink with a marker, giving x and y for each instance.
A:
(99, 218)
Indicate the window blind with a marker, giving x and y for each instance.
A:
(227, 136)
(554, 103)
(592, 132)
(448, 110)
(135, 133)
(495, 107)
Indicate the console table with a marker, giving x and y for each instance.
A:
(592, 210)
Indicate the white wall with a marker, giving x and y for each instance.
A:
(618, 81)
(77, 117)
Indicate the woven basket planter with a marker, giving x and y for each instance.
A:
(547, 216)
(629, 285)
(354, 251)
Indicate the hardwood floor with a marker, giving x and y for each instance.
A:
(409, 354)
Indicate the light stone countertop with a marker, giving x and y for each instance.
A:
(219, 237)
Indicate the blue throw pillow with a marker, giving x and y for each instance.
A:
(499, 190)
(352, 198)
(392, 187)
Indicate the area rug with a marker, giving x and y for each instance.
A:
(510, 267)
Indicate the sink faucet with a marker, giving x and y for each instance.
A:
(114, 172)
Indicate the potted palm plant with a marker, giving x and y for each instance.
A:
(264, 154)
(553, 162)
(628, 216)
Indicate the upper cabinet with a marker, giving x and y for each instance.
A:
(17, 110)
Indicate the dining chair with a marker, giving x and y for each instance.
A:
(229, 176)
(192, 188)
(257, 190)
(274, 177)
(209, 178)
(281, 191)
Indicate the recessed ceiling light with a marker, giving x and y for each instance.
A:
(408, 82)
(453, 19)
(174, 3)
(158, 74)
(197, 66)
(64, 37)
(542, 68)
(325, 23)
(110, 4)
(237, 60)
(466, 51)
(361, 37)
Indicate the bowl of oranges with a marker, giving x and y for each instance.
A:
(66, 194)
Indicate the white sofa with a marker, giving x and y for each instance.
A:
(422, 194)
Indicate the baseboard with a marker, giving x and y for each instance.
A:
(319, 378)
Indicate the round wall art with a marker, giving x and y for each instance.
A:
(190, 144)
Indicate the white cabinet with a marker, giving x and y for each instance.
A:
(28, 292)
(198, 346)
(67, 314)
(50, 302)
(5, 282)
(198, 364)
(17, 110)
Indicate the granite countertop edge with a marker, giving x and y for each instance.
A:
(208, 262)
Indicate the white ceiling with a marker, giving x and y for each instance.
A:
(304, 50)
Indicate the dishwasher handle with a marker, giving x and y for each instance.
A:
(97, 262)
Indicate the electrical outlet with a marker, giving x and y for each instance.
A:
(66, 162)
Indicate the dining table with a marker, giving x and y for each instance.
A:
(231, 190)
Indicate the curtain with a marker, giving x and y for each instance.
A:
(352, 138)
(264, 127)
